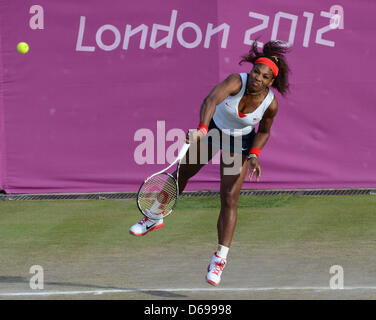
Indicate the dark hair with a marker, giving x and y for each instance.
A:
(274, 50)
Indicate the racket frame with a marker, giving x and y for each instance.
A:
(180, 156)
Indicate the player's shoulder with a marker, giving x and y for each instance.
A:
(234, 77)
(273, 108)
(234, 82)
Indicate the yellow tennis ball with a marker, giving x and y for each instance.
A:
(23, 47)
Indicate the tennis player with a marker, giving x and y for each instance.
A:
(233, 108)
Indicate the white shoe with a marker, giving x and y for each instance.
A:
(145, 225)
(215, 269)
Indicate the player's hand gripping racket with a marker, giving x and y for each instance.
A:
(159, 193)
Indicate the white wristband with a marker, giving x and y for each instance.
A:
(252, 155)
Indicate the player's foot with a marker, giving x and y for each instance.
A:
(215, 269)
(145, 225)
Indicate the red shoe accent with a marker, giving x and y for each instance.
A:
(218, 267)
(215, 253)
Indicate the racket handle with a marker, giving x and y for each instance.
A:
(183, 151)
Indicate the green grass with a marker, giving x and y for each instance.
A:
(328, 220)
(288, 219)
(67, 229)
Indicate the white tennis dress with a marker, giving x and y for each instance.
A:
(227, 115)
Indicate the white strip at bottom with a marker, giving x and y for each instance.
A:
(106, 291)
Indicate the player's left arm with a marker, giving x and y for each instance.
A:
(262, 137)
(263, 132)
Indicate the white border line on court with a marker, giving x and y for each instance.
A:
(155, 290)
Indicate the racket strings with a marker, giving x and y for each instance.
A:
(158, 195)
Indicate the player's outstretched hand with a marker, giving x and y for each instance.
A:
(254, 168)
(194, 136)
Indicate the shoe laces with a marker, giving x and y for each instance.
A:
(218, 267)
(143, 220)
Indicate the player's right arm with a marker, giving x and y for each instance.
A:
(230, 86)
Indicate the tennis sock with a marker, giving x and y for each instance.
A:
(222, 251)
(156, 207)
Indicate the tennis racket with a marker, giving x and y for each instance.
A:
(159, 193)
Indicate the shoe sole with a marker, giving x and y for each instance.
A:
(212, 282)
(151, 229)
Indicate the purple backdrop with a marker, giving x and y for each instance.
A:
(106, 93)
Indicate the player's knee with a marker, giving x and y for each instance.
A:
(229, 199)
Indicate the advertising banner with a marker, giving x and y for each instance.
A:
(108, 90)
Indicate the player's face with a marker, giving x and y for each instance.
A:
(261, 76)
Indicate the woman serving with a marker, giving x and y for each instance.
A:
(228, 117)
